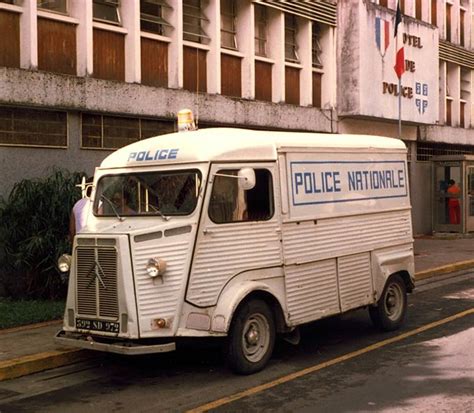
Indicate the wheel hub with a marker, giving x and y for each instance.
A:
(252, 336)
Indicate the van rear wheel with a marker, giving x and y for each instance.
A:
(391, 308)
(251, 337)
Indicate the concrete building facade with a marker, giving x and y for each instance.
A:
(80, 78)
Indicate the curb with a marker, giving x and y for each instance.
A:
(30, 326)
(444, 269)
(22, 366)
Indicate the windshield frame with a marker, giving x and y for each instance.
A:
(98, 197)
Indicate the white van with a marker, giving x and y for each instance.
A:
(240, 234)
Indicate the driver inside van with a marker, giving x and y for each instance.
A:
(121, 203)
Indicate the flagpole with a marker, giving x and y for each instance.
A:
(400, 107)
(399, 67)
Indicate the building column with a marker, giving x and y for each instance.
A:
(304, 40)
(175, 51)
(213, 12)
(246, 45)
(82, 11)
(276, 46)
(29, 36)
(131, 22)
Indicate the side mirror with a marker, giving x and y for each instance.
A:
(246, 178)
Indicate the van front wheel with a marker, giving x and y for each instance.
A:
(391, 308)
(251, 337)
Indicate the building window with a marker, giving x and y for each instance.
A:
(229, 203)
(228, 29)
(113, 132)
(462, 17)
(151, 16)
(260, 30)
(193, 22)
(31, 127)
(418, 10)
(291, 45)
(316, 48)
(9, 39)
(448, 22)
(106, 11)
(449, 120)
(426, 150)
(434, 12)
(58, 6)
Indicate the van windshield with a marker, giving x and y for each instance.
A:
(148, 193)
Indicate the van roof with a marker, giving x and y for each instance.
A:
(232, 144)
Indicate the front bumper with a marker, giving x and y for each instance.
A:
(120, 347)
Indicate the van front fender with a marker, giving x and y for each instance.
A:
(230, 299)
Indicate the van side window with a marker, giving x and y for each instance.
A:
(229, 203)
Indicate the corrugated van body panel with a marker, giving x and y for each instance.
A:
(311, 291)
(355, 280)
(227, 250)
(336, 237)
(157, 298)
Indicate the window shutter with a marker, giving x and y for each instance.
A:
(315, 10)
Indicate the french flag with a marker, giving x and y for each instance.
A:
(400, 56)
(382, 34)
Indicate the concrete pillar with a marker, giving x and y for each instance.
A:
(82, 11)
(130, 12)
(29, 36)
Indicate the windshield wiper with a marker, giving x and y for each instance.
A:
(158, 212)
(103, 197)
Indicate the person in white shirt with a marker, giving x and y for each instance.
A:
(78, 217)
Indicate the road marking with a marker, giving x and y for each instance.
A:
(257, 389)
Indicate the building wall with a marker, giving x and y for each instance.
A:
(30, 163)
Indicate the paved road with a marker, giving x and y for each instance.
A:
(341, 365)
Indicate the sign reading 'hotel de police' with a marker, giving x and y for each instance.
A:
(378, 80)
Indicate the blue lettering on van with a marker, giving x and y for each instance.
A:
(321, 182)
(381, 179)
(312, 183)
(159, 154)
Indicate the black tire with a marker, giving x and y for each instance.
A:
(251, 337)
(390, 312)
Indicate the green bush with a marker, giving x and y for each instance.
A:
(16, 313)
(34, 223)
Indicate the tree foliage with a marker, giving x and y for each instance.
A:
(34, 233)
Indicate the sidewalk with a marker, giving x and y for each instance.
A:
(30, 349)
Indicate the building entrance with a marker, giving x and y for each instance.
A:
(453, 200)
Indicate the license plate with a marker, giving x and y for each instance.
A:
(97, 325)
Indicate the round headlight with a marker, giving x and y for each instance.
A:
(155, 267)
(64, 263)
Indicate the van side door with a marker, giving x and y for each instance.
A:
(239, 230)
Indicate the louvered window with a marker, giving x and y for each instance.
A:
(260, 30)
(316, 48)
(106, 11)
(228, 29)
(59, 6)
(151, 16)
(291, 46)
(32, 127)
(193, 21)
(315, 10)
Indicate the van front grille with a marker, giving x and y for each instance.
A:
(96, 269)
